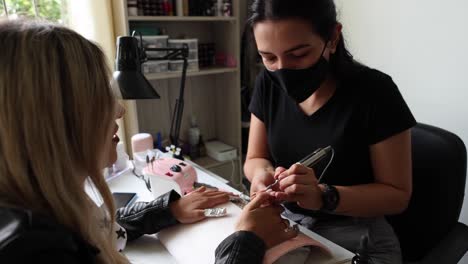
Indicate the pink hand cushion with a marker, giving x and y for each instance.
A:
(274, 253)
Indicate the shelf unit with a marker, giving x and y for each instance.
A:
(211, 94)
(201, 72)
(182, 18)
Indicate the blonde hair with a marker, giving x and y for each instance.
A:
(56, 114)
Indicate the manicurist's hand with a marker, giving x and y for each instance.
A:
(299, 184)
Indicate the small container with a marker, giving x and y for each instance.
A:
(193, 54)
(193, 65)
(132, 11)
(155, 66)
(178, 65)
(142, 142)
(179, 43)
(155, 54)
(155, 42)
(132, 7)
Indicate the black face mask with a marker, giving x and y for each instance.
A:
(300, 84)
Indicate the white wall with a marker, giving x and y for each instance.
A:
(423, 45)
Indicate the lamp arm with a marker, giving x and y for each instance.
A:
(179, 107)
(174, 53)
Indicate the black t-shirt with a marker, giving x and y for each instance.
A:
(365, 109)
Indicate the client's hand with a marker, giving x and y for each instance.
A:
(263, 219)
(190, 208)
(261, 181)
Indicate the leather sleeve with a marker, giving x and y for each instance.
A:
(48, 246)
(147, 218)
(29, 238)
(241, 247)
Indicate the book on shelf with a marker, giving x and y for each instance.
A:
(153, 7)
(220, 8)
(185, 7)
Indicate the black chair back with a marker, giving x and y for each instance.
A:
(439, 173)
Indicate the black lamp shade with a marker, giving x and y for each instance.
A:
(132, 83)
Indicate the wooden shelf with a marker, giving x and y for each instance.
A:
(181, 18)
(207, 162)
(201, 72)
(212, 94)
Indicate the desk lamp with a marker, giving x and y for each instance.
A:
(132, 83)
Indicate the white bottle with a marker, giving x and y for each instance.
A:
(122, 158)
(193, 132)
(219, 7)
(179, 7)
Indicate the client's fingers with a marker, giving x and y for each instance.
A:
(257, 201)
(199, 190)
(216, 200)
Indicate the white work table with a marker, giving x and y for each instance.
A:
(148, 249)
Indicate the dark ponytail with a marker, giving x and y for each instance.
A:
(322, 16)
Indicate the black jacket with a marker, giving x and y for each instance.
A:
(27, 237)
